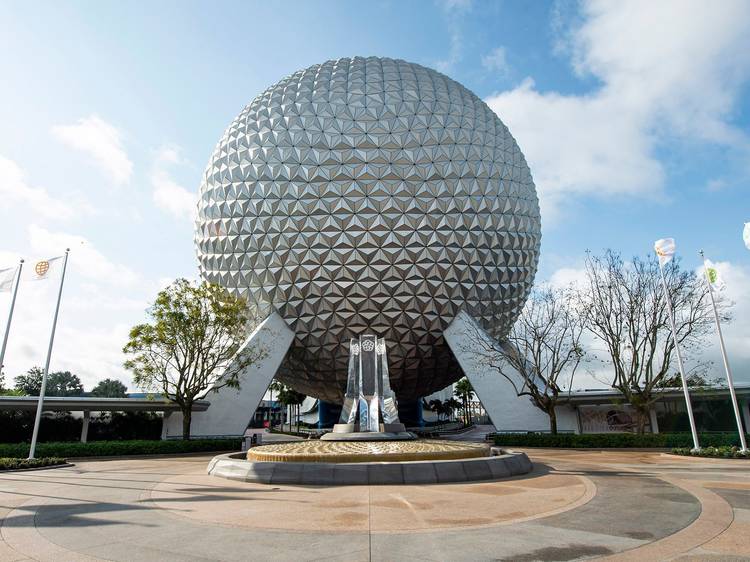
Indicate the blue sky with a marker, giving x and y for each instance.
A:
(634, 120)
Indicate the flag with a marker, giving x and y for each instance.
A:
(7, 276)
(746, 235)
(664, 248)
(713, 276)
(46, 269)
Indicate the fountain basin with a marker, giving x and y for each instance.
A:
(367, 451)
(494, 465)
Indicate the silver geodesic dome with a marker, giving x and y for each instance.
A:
(370, 195)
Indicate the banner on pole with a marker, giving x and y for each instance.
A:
(46, 269)
(7, 276)
(714, 277)
(664, 248)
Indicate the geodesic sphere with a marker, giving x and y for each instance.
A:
(370, 195)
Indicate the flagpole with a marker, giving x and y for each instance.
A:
(727, 368)
(696, 445)
(10, 316)
(40, 403)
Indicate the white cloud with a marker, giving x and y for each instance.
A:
(36, 200)
(100, 140)
(496, 61)
(88, 262)
(168, 194)
(736, 290)
(667, 70)
(453, 10)
(101, 300)
(455, 5)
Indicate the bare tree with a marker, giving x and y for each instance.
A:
(542, 351)
(626, 310)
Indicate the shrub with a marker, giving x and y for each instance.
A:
(715, 452)
(15, 464)
(120, 448)
(614, 440)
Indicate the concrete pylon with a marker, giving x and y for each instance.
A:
(473, 347)
(231, 410)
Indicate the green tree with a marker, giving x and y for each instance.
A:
(451, 405)
(30, 383)
(8, 391)
(436, 406)
(465, 392)
(60, 383)
(110, 388)
(63, 383)
(290, 398)
(192, 344)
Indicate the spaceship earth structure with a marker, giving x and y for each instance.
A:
(370, 195)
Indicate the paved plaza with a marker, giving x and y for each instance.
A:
(575, 504)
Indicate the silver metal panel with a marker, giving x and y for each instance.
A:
(370, 195)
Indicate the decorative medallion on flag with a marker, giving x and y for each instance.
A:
(46, 269)
(41, 268)
(713, 276)
(664, 248)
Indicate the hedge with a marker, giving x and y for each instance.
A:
(61, 426)
(16, 464)
(714, 452)
(120, 448)
(615, 440)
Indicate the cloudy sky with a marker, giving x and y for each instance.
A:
(633, 116)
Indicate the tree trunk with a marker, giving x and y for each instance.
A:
(641, 419)
(552, 421)
(187, 415)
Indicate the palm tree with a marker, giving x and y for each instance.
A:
(465, 392)
(451, 405)
(437, 407)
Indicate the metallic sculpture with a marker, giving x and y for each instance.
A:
(368, 388)
(370, 195)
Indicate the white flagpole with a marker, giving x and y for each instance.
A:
(10, 315)
(40, 403)
(696, 445)
(727, 368)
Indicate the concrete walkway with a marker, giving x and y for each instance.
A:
(476, 434)
(576, 504)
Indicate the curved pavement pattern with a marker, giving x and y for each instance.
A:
(575, 504)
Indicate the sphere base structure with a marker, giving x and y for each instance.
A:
(370, 195)
(502, 464)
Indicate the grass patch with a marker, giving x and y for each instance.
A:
(713, 452)
(615, 440)
(120, 448)
(7, 463)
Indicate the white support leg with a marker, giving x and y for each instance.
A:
(507, 411)
(85, 426)
(231, 410)
(653, 419)
(165, 424)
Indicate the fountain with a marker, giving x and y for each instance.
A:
(370, 410)
(369, 445)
